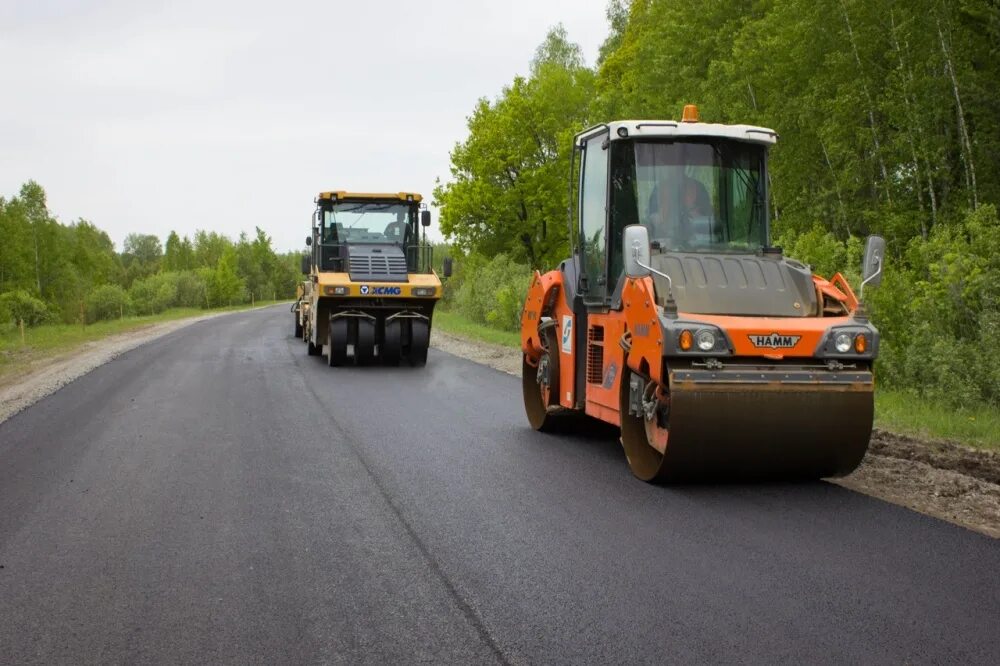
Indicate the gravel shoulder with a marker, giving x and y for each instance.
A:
(941, 479)
(20, 391)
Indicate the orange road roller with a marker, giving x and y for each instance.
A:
(677, 320)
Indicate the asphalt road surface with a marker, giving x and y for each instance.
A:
(219, 496)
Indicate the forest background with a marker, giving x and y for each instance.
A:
(889, 124)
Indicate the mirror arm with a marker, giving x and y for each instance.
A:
(861, 312)
(669, 305)
(871, 277)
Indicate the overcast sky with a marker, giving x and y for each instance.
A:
(150, 116)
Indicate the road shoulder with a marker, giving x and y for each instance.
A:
(20, 391)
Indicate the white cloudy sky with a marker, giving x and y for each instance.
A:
(146, 116)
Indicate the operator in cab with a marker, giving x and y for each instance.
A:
(689, 225)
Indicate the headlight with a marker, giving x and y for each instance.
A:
(843, 342)
(705, 340)
(423, 291)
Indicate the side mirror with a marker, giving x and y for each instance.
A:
(871, 265)
(446, 267)
(635, 249)
(309, 240)
(305, 264)
(425, 218)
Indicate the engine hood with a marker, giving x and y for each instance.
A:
(383, 262)
(726, 284)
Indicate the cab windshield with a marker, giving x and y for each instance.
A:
(353, 222)
(693, 196)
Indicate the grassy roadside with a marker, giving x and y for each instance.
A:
(56, 339)
(896, 411)
(456, 324)
(908, 414)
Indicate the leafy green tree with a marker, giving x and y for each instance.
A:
(178, 253)
(226, 287)
(508, 193)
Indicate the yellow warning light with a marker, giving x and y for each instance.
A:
(686, 340)
(690, 114)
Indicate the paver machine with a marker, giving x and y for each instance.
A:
(371, 288)
(678, 321)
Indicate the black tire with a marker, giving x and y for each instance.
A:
(337, 342)
(364, 347)
(392, 340)
(298, 328)
(420, 339)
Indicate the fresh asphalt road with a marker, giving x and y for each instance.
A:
(219, 496)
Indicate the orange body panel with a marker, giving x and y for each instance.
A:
(809, 331)
(639, 318)
(639, 307)
(604, 365)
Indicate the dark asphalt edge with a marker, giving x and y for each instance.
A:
(468, 610)
(188, 323)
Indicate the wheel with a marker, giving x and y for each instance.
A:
(644, 437)
(337, 342)
(392, 340)
(364, 347)
(298, 328)
(311, 349)
(540, 384)
(420, 339)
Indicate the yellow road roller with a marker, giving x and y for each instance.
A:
(371, 288)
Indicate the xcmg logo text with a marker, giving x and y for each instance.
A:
(380, 291)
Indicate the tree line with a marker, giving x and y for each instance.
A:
(888, 124)
(72, 273)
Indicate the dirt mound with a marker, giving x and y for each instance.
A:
(983, 465)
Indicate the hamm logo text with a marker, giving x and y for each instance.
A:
(774, 341)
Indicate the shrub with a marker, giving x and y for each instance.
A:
(107, 302)
(190, 289)
(154, 294)
(492, 292)
(19, 305)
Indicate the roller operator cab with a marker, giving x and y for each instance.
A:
(677, 320)
(371, 290)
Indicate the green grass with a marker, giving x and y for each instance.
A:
(906, 413)
(897, 411)
(452, 322)
(43, 342)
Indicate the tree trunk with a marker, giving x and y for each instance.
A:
(868, 100)
(38, 273)
(911, 120)
(970, 167)
(836, 187)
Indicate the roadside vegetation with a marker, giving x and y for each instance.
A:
(888, 125)
(65, 284)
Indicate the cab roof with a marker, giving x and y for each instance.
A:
(337, 195)
(619, 130)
